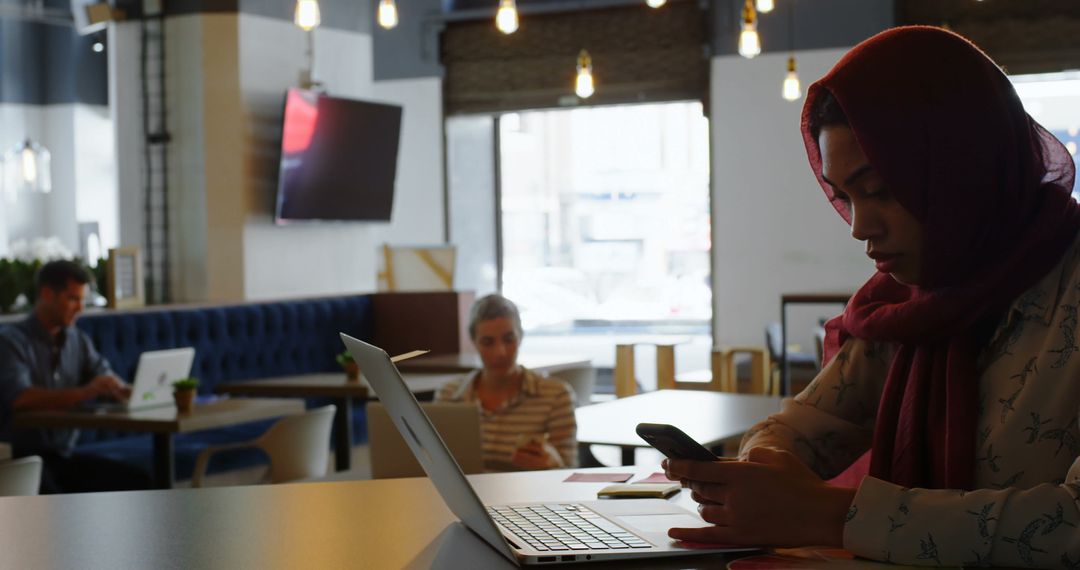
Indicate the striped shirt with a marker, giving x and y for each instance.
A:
(543, 405)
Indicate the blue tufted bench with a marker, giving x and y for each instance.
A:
(232, 343)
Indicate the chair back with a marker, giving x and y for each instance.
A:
(458, 424)
(20, 477)
(299, 445)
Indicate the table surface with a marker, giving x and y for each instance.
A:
(331, 384)
(387, 523)
(5, 451)
(708, 417)
(224, 412)
(467, 361)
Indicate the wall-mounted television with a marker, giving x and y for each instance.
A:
(338, 158)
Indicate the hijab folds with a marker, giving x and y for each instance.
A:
(943, 126)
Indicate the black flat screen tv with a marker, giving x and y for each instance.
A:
(338, 158)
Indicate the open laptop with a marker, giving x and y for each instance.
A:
(526, 533)
(154, 375)
(458, 424)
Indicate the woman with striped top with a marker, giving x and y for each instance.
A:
(527, 420)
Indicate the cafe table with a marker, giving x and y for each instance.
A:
(332, 385)
(164, 424)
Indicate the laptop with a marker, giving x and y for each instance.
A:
(527, 533)
(458, 424)
(152, 387)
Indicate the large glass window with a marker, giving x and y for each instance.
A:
(605, 218)
(1053, 99)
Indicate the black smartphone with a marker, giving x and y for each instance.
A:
(674, 443)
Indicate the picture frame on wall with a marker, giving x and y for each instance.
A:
(124, 277)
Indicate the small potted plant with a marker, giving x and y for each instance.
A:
(184, 394)
(352, 370)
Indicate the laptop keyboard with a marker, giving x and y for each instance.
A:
(564, 527)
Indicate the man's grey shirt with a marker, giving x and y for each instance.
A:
(31, 357)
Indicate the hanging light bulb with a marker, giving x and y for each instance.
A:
(583, 86)
(29, 165)
(387, 14)
(765, 6)
(655, 3)
(506, 19)
(749, 42)
(307, 15)
(792, 90)
(27, 169)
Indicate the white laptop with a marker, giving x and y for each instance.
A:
(154, 375)
(527, 533)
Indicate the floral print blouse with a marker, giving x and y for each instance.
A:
(1025, 509)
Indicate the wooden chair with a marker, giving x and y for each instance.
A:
(724, 377)
(625, 376)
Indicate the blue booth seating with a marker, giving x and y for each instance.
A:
(232, 343)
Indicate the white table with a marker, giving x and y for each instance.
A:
(388, 523)
(708, 417)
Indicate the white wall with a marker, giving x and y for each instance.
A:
(96, 197)
(773, 232)
(330, 257)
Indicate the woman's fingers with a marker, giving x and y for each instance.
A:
(708, 492)
(707, 535)
(715, 514)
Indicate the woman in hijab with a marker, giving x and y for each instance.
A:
(952, 373)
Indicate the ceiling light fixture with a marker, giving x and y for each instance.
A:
(307, 15)
(388, 16)
(792, 89)
(749, 42)
(765, 6)
(655, 3)
(583, 85)
(27, 169)
(506, 19)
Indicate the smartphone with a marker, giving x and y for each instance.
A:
(674, 443)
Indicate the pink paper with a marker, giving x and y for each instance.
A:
(656, 478)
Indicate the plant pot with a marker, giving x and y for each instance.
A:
(352, 372)
(185, 400)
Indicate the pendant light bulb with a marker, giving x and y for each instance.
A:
(655, 3)
(29, 165)
(792, 89)
(583, 85)
(506, 19)
(765, 6)
(307, 16)
(388, 17)
(749, 42)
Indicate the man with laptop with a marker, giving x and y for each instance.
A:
(48, 364)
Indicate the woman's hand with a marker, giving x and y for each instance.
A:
(535, 455)
(770, 499)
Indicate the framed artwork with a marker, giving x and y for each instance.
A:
(124, 278)
(417, 268)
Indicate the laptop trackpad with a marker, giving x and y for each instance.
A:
(660, 523)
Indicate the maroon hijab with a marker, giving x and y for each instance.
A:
(942, 125)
